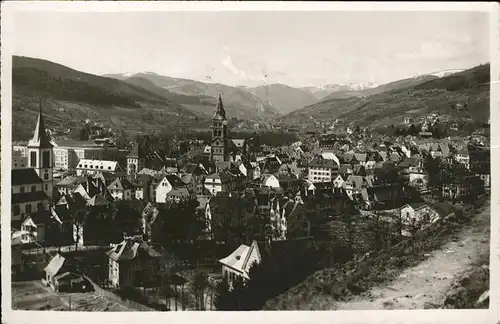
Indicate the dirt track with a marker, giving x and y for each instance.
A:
(426, 285)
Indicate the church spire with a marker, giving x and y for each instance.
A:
(40, 137)
(220, 113)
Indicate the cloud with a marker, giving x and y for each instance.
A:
(240, 68)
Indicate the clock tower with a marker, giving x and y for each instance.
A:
(219, 134)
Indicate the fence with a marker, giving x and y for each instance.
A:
(67, 248)
(112, 296)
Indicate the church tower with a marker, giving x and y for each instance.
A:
(40, 155)
(219, 133)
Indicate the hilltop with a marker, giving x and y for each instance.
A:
(414, 97)
(70, 96)
(283, 97)
(238, 103)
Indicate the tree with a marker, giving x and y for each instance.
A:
(199, 286)
(223, 299)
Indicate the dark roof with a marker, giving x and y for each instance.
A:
(408, 162)
(25, 176)
(29, 196)
(130, 248)
(175, 181)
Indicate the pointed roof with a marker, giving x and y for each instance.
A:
(220, 113)
(40, 137)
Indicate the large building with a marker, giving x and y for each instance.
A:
(67, 154)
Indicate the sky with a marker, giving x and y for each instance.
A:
(256, 48)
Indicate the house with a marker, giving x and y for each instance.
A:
(238, 263)
(133, 263)
(223, 181)
(60, 276)
(269, 180)
(179, 194)
(86, 166)
(416, 215)
(338, 181)
(322, 170)
(56, 266)
(462, 156)
(121, 189)
(68, 184)
(164, 186)
(294, 222)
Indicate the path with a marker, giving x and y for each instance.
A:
(425, 285)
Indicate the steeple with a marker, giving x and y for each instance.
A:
(40, 137)
(220, 113)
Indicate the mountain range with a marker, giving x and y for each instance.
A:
(413, 97)
(141, 102)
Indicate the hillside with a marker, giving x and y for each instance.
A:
(71, 96)
(417, 97)
(200, 105)
(283, 97)
(239, 103)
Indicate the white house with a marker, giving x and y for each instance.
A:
(161, 189)
(417, 214)
(269, 180)
(322, 170)
(34, 230)
(86, 166)
(238, 263)
(338, 181)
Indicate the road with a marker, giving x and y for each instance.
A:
(426, 284)
(32, 295)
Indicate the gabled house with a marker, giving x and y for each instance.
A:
(416, 215)
(121, 189)
(238, 263)
(39, 226)
(269, 180)
(133, 263)
(166, 185)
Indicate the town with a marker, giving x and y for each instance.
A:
(225, 223)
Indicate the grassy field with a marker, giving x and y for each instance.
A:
(32, 295)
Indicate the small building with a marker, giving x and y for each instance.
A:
(133, 263)
(121, 189)
(238, 263)
(417, 214)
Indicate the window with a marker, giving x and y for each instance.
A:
(46, 175)
(16, 210)
(33, 188)
(46, 159)
(28, 209)
(32, 159)
(21, 190)
(46, 187)
(39, 206)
